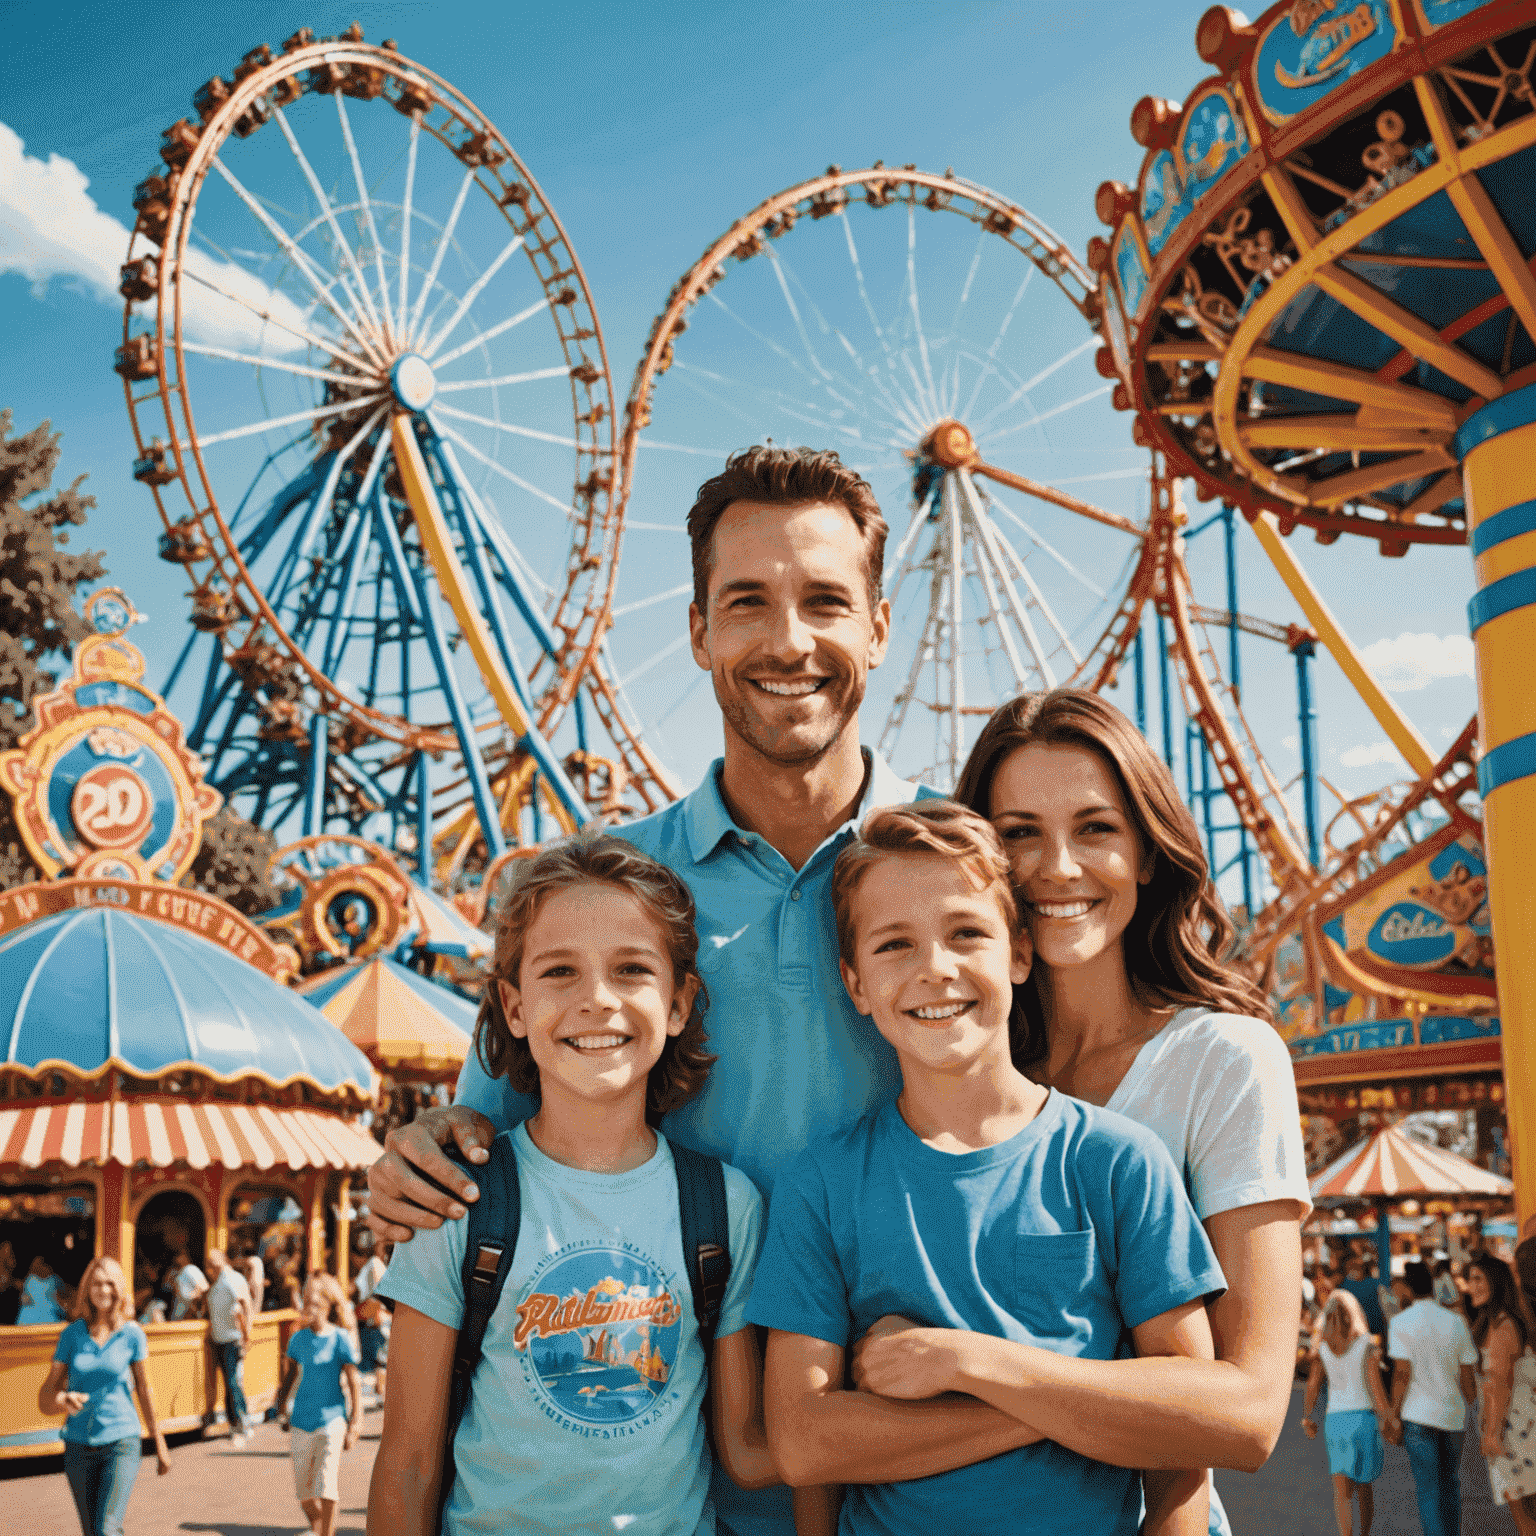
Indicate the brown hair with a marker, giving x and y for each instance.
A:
(600, 859)
(1343, 1321)
(926, 826)
(1179, 935)
(786, 476)
(1504, 1300)
(329, 1287)
(122, 1309)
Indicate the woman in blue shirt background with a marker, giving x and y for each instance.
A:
(101, 1352)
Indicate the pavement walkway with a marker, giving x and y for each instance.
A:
(249, 1492)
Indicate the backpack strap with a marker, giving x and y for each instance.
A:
(706, 1236)
(490, 1241)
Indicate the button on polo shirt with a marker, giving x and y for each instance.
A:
(796, 1059)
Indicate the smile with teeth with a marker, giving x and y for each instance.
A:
(786, 690)
(1063, 909)
(941, 1013)
(596, 1042)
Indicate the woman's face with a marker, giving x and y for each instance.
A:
(1478, 1289)
(1078, 858)
(103, 1293)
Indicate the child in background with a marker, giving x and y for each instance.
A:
(323, 1359)
(586, 1409)
(974, 1218)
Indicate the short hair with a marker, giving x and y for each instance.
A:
(122, 1308)
(329, 1287)
(929, 827)
(597, 859)
(785, 477)
(1419, 1279)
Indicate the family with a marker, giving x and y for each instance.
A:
(1013, 1174)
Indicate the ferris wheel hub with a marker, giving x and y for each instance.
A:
(951, 445)
(413, 382)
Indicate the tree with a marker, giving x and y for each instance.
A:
(232, 863)
(38, 581)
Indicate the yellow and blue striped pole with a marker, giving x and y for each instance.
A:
(1497, 450)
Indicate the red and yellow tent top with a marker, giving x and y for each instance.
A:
(1392, 1165)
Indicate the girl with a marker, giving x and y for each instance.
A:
(97, 1357)
(323, 1360)
(1506, 1386)
(588, 1397)
(1358, 1413)
(1131, 1006)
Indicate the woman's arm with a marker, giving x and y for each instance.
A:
(53, 1398)
(289, 1380)
(147, 1408)
(1390, 1424)
(1314, 1386)
(819, 1433)
(403, 1494)
(1498, 1383)
(352, 1386)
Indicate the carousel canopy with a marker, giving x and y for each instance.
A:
(443, 929)
(1391, 1165)
(86, 988)
(401, 1020)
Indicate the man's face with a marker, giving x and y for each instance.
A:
(789, 636)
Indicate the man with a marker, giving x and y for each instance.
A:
(787, 618)
(373, 1321)
(189, 1287)
(229, 1336)
(1432, 1383)
(1359, 1280)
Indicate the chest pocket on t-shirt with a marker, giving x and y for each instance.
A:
(1058, 1286)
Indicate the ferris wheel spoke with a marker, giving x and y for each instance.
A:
(251, 429)
(1054, 553)
(1023, 389)
(650, 602)
(917, 318)
(373, 229)
(990, 545)
(1056, 410)
(858, 275)
(970, 278)
(496, 330)
(500, 469)
(472, 293)
(300, 260)
(257, 360)
(310, 337)
(506, 378)
(1022, 572)
(999, 620)
(405, 224)
(899, 412)
(328, 212)
(794, 311)
(670, 649)
(443, 240)
(508, 426)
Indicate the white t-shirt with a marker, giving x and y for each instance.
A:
(588, 1396)
(1347, 1391)
(1436, 1342)
(1218, 1091)
(191, 1282)
(223, 1296)
(369, 1276)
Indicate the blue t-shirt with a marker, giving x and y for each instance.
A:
(319, 1399)
(105, 1371)
(40, 1300)
(586, 1402)
(1064, 1236)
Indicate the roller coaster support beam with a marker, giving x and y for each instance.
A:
(1400, 730)
(1303, 647)
(1234, 650)
(1139, 660)
(314, 800)
(1163, 687)
(1497, 448)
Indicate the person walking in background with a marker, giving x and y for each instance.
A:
(1445, 1284)
(41, 1295)
(1432, 1384)
(1506, 1386)
(97, 1357)
(373, 1321)
(1360, 1281)
(189, 1287)
(1358, 1412)
(323, 1361)
(255, 1273)
(229, 1336)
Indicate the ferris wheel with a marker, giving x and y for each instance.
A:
(933, 332)
(365, 372)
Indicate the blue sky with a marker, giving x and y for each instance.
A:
(651, 128)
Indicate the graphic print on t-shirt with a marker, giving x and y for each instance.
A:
(598, 1332)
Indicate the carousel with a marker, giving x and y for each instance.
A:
(163, 1090)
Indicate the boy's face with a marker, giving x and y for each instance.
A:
(597, 1001)
(935, 965)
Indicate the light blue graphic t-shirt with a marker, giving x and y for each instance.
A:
(320, 1399)
(586, 1409)
(104, 1372)
(1064, 1236)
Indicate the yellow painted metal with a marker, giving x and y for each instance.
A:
(1432, 497)
(1060, 498)
(1400, 730)
(1341, 382)
(1376, 477)
(1183, 351)
(1298, 221)
(1506, 558)
(1340, 434)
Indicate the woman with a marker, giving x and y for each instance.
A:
(101, 1352)
(1506, 1386)
(1358, 1412)
(42, 1294)
(1130, 1005)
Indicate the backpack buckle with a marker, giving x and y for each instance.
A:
(713, 1271)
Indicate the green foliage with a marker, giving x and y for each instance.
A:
(232, 862)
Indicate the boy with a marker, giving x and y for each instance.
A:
(998, 1216)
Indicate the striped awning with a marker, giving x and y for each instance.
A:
(1393, 1165)
(162, 1132)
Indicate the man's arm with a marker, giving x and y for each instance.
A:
(820, 1433)
(1402, 1374)
(1468, 1385)
(398, 1201)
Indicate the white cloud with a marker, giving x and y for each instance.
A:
(1411, 662)
(51, 228)
(1368, 753)
(1291, 743)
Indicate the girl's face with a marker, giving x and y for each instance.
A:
(102, 1294)
(595, 1000)
(1478, 1289)
(1078, 858)
(315, 1308)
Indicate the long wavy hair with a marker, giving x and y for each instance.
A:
(1504, 1300)
(121, 1310)
(598, 859)
(1343, 1321)
(1178, 937)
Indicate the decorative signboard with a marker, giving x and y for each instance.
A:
(1313, 47)
(347, 899)
(104, 785)
(1211, 141)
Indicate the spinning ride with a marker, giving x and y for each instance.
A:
(1320, 303)
(364, 371)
